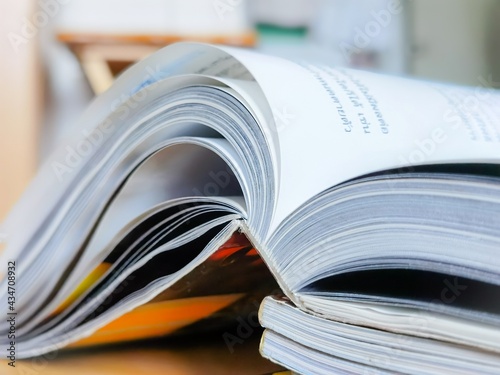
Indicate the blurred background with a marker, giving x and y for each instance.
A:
(55, 55)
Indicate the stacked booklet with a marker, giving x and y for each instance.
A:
(366, 207)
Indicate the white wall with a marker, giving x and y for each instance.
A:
(451, 39)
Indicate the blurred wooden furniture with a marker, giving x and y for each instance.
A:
(174, 356)
(20, 103)
(103, 56)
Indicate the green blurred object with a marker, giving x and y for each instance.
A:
(282, 35)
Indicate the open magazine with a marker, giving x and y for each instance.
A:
(373, 200)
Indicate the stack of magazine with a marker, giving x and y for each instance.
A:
(363, 210)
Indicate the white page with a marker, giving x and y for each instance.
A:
(324, 141)
(313, 148)
(412, 322)
(178, 59)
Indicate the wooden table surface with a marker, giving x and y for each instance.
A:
(174, 356)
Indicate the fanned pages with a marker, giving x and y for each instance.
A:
(208, 176)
